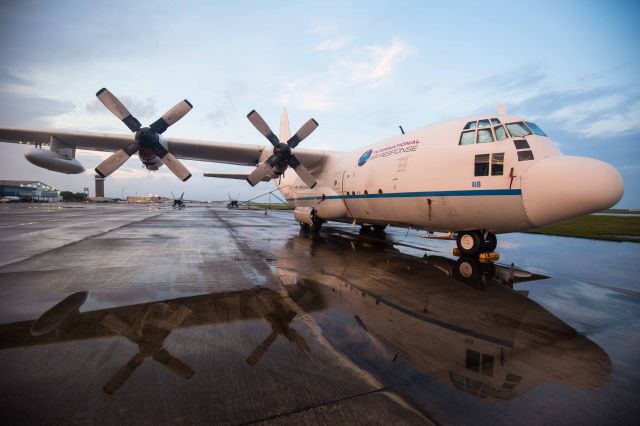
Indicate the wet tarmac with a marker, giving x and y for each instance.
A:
(131, 314)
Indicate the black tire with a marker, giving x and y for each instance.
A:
(468, 270)
(304, 226)
(365, 228)
(470, 243)
(316, 225)
(379, 228)
(490, 243)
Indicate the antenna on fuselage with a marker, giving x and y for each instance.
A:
(401, 129)
(501, 110)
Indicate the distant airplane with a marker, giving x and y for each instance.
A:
(474, 177)
(233, 202)
(178, 202)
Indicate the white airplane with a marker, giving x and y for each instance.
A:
(473, 177)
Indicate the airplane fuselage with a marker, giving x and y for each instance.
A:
(427, 179)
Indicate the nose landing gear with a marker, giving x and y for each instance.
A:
(472, 243)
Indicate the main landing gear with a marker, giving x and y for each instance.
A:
(315, 226)
(472, 243)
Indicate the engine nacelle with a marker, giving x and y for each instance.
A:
(53, 161)
(304, 215)
(330, 207)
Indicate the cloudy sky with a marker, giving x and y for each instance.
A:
(360, 68)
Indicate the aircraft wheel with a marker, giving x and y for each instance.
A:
(379, 228)
(365, 228)
(490, 243)
(470, 243)
(304, 226)
(468, 270)
(316, 225)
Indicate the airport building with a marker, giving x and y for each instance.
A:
(29, 190)
(145, 199)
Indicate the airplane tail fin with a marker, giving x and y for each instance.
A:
(285, 132)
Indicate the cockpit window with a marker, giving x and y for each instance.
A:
(535, 129)
(483, 123)
(518, 129)
(470, 125)
(495, 121)
(500, 132)
(484, 135)
(467, 138)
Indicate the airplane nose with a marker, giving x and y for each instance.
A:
(563, 187)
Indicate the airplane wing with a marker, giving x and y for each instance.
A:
(187, 149)
(241, 176)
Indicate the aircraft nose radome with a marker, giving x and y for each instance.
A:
(561, 188)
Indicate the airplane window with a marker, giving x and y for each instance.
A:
(472, 361)
(497, 164)
(485, 136)
(467, 138)
(518, 129)
(500, 132)
(521, 144)
(495, 121)
(470, 125)
(507, 385)
(482, 169)
(513, 378)
(524, 155)
(535, 129)
(380, 191)
(366, 192)
(487, 365)
(483, 123)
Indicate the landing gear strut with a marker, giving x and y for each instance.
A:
(472, 243)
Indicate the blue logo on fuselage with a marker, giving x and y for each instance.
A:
(364, 157)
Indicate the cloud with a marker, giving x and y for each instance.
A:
(336, 43)
(378, 64)
(522, 78)
(591, 112)
(32, 111)
(220, 117)
(139, 108)
(324, 90)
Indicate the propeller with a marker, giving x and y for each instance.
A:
(282, 156)
(146, 138)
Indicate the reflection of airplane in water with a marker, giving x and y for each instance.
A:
(466, 326)
(148, 325)
(460, 322)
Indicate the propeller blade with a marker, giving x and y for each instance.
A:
(118, 109)
(118, 327)
(263, 127)
(302, 171)
(172, 363)
(172, 116)
(122, 375)
(116, 160)
(260, 173)
(172, 163)
(306, 129)
(182, 196)
(257, 353)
